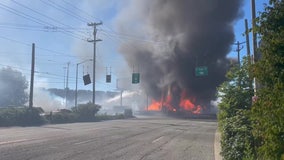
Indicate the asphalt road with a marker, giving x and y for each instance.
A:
(133, 139)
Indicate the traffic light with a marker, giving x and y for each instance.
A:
(108, 78)
(87, 79)
(135, 78)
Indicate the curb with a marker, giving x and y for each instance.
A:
(217, 146)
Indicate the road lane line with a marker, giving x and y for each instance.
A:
(15, 141)
(83, 142)
(158, 139)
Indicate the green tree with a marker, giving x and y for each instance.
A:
(12, 88)
(268, 111)
(234, 122)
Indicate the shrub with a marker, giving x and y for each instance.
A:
(62, 117)
(128, 113)
(86, 112)
(237, 140)
(103, 117)
(21, 117)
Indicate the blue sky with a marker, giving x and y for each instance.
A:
(59, 30)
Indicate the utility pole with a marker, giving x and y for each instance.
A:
(64, 72)
(238, 50)
(32, 77)
(95, 40)
(66, 88)
(254, 36)
(121, 92)
(247, 40)
(254, 39)
(147, 101)
(121, 98)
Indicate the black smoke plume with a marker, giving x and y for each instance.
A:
(190, 33)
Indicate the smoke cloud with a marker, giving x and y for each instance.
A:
(184, 34)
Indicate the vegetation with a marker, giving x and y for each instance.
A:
(235, 125)
(35, 116)
(21, 117)
(12, 88)
(63, 116)
(86, 112)
(268, 111)
(103, 117)
(256, 131)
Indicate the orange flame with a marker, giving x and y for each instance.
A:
(155, 106)
(186, 104)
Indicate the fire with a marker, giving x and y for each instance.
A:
(185, 104)
(188, 104)
(155, 106)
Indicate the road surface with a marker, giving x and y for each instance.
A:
(133, 139)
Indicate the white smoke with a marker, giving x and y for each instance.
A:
(43, 98)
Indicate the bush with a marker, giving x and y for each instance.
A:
(21, 117)
(62, 117)
(237, 140)
(103, 117)
(128, 113)
(86, 112)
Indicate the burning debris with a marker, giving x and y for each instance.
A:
(194, 33)
(175, 101)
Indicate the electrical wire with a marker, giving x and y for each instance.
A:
(36, 20)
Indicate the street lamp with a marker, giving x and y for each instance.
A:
(77, 79)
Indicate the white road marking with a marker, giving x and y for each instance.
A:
(158, 139)
(15, 141)
(83, 142)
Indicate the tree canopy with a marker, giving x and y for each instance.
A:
(12, 88)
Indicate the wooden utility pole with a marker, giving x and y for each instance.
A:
(95, 40)
(32, 77)
(247, 40)
(254, 39)
(67, 87)
(239, 48)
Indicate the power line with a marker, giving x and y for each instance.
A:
(63, 9)
(36, 72)
(31, 18)
(41, 48)
(21, 14)
(86, 13)
(51, 28)
(39, 13)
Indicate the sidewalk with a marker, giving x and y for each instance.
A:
(217, 145)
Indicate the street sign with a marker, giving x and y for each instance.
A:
(201, 71)
(135, 78)
(108, 78)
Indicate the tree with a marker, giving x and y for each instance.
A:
(234, 122)
(268, 111)
(12, 88)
